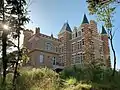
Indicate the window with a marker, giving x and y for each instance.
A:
(72, 47)
(82, 30)
(79, 33)
(54, 60)
(77, 60)
(91, 42)
(73, 36)
(60, 59)
(73, 59)
(81, 58)
(82, 41)
(78, 45)
(76, 34)
(56, 49)
(93, 56)
(100, 50)
(62, 49)
(41, 58)
(49, 46)
(78, 55)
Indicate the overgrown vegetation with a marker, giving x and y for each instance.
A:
(97, 78)
(72, 78)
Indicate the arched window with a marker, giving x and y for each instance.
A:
(49, 46)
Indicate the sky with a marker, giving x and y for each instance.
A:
(50, 15)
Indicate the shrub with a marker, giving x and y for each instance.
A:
(97, 77)
(71, 81)
(38, 79)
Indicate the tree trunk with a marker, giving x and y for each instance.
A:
(114, 56)
(4, 45)
(4, 56)
(16, 66)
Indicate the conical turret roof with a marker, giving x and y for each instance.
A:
(85, 20)
(65, 27)
(103, 30)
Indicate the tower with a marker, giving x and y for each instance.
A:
(64, 36)
(106, 50)
(27, 34)
(91, 40)
(86, 41)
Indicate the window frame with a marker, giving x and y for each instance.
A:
(41, 61)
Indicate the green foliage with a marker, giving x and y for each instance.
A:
(34, 79)
(38, 79)
(72, 72)
(46, 79)
(8, 83)
(96, 77)
(71, 81)
(103, 10)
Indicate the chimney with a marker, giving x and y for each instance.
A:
(51, 35)
(37, 30)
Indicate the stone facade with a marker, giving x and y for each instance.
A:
(72, 47)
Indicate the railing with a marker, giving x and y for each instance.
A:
(58, 65)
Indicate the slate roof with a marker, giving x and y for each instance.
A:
(85, 20)
(103, 30)
(65, 27)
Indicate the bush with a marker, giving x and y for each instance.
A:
(8, 83)
(38, 79)
(33, 79)
(96, 77)
(72, 78)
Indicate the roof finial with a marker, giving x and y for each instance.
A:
(66, 21)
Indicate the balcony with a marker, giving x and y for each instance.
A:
(58, 66)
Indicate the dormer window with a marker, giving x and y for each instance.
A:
(49, 46)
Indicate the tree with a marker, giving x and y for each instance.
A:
(105, 9)
(12, 12)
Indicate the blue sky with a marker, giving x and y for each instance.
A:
(50, 15)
